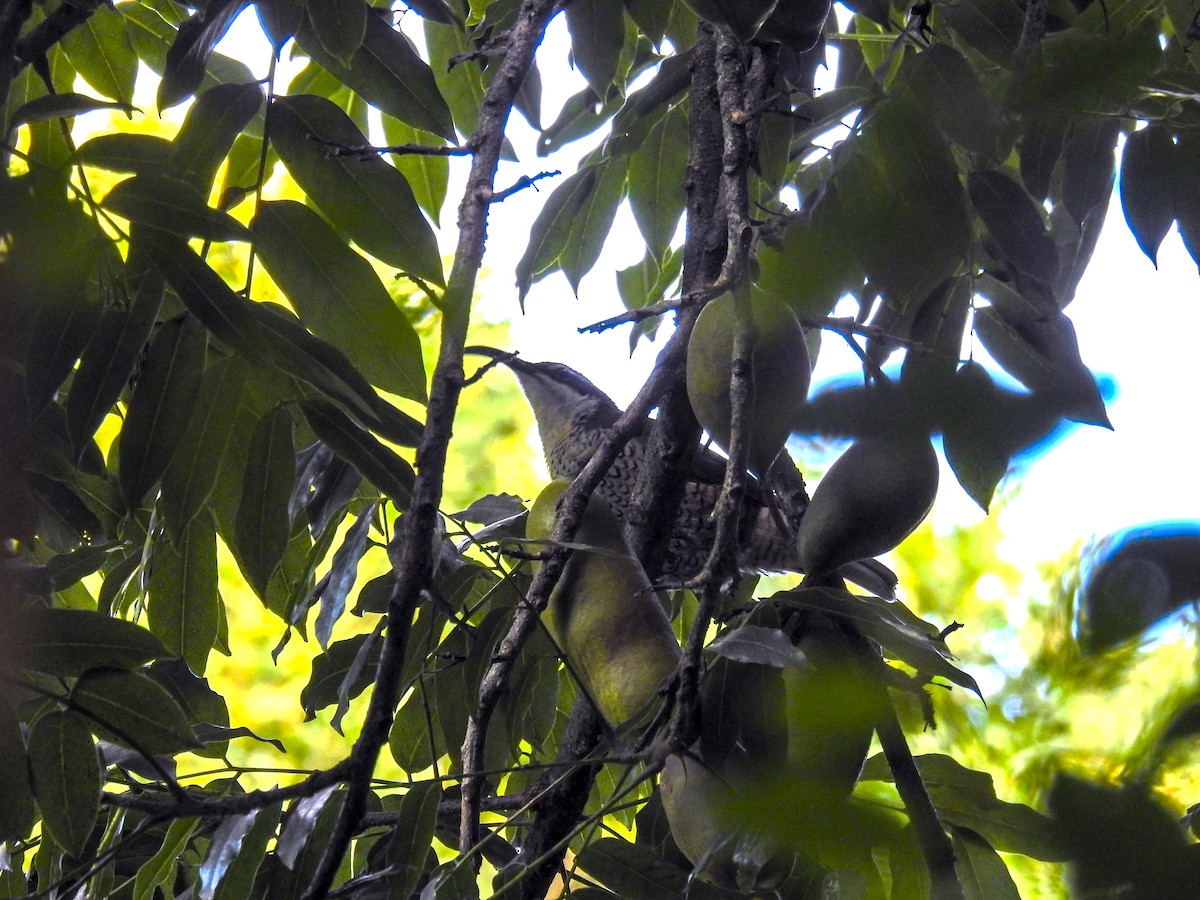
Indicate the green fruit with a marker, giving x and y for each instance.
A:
(603, 613)
(796, 23)
(780, 374)
(868, 502)
(742, 17)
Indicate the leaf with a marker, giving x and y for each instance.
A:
(551, 230)
(189, 480)
(492, 508)
(981, 872)
(593, 220)
(1013, 219)
(1148, 186)
(334, 676)
(212, 124)
(301, 824)
(140, 154)
(364, 196)
(183, 605)
(17, 812)
(67, 642)
(133, 711)
(339, 297)
(187, 59)
(236, 852)
(760, 645)
(202, 706)
(389, 472)
(109, 359)
(966, 798)
(656, 172)
(426, 174)
(415, 740)
(411, 836)
(1089, 162)
(62, 106)
(66, 569)
(1041, 147)
(161, 406)
(174, 206)
(597, 32)
(160, 870)
(389, 74)
(262, 526)
(944, 82)
(65, 769)
(632, 871)
(342, 573)
(340, 25)
(889, 624)
(100, 51)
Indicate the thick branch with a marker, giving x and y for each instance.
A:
(420, 522)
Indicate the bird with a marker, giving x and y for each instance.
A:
(573, 417)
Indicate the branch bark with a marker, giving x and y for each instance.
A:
(420, 522)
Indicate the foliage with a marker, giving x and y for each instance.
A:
(212, 384)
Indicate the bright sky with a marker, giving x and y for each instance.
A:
(1134, 325)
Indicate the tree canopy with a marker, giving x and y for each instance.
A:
(239, 376)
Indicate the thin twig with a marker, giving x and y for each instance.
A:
(414, 577)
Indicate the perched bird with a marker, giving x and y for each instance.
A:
(573, 417)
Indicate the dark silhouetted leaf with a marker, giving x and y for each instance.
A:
(62, 106)
(340, 26)
(389, 74)
(378, 463)
(263, 526)
(212, 124)
(1148, 188)
(1015, 222)
(183, 604)
(408, 843)
(981, 872)
(945, 83)
(161, 406)
(593, 221)
(139, 154)
(760, 645)
(632, 871)
(1041, 146)
(237, 850)
(597, 35)
(66, 778)
(364, 196)
(160, 870)
(174, 206)
(67, 642)
(303, 841)
(17, 812)
(333, 674)
(131, 710)
(342, 573)
(187, 59)
(338, 295)
(1089, 165)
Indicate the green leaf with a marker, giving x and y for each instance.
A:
(992, 27)
(67, 568)
(415, 740)
(174, 206)
(633, 871)
(161, 406)
(1089, 164)
(139, 154)
(411, 836)
(61, 106)
(203, 706)
(263, 525)
(892, 626)
(389, 74)
(153, 37)
(339, 297)
(159, 871)
(1148, 186)
(981, 872)
(1015, 222)
(189, 480)
(379, 464)
(656, 172)
(212, 124)
(340, 25)
(66, 642)
(462, 87)
(17, 812)
(597, 30)
(427, 175)
(364, 196)
(943, 82)
(551, 230)
(332, 677)
(237, 851)
(183, 602)
(66, 778)
(593, 221)
(133, 711)
(100, 51)
(187, 59)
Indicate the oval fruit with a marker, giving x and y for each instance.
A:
(742, 17)
(796, 23)
(870, 500)
(603, 613)
(780, 374)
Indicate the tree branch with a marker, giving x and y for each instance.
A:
(1032, 31)
(420, 522)
(65, 18)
